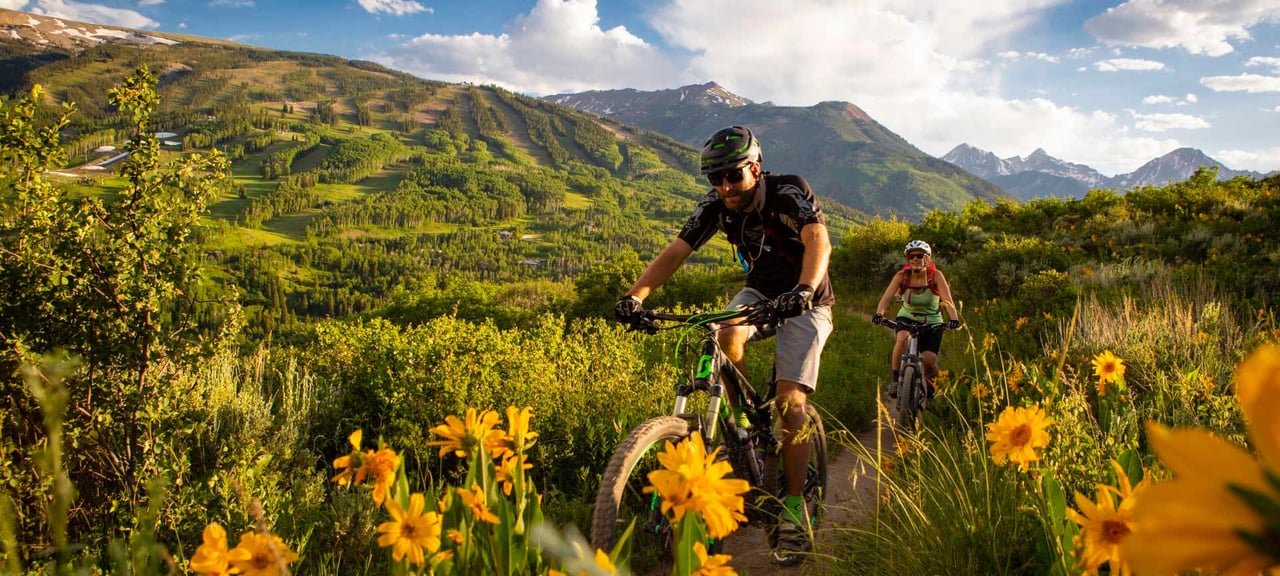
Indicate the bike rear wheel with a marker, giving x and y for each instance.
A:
(815, 482)
(909, 395)
(621, 499)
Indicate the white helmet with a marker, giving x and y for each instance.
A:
(918, 245)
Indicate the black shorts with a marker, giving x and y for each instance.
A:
(930, 341)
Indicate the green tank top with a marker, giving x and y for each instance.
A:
(921, 306)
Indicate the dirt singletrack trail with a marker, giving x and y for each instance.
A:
(850, 498)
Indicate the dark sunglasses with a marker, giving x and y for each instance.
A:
(916, 256)
(733, 175)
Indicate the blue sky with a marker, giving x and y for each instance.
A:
(1108, 83)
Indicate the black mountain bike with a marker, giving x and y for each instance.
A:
(912, 393)
(621, 503)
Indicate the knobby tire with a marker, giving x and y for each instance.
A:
(620, 481)
(908, 399)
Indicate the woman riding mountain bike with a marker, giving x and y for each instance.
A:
(924, 292)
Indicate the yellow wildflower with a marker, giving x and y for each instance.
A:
(980, 391)
(1104, 526)
(211, 557)
(475, 499)
(463, 435)
(261, 555)
(1017, 433)
(1199, 520)
(411, 533)
(380, 465)
(506, 472)
(601, 560)
(454, 536)
(717, 565)
(1021, 323)
(349, 463)
(519, 437)
(1013, 379)
(1108, 368)
(692, 480)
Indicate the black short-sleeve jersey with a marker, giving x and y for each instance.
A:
(767, 241)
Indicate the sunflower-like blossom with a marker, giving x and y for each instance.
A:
(712, 565)
(261, 555)
(211, 558)
(1217, 513)
(462, 435)
(600, 560)
(1016, 435)
(1108, 368)
(348, 464)
(506, 472)
(381, 466)
(412, 533)
(519, 436)
(1104, 525)
(475, 500)
(690, 479)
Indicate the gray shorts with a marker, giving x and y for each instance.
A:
(800, 340)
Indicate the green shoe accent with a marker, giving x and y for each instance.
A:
(793, 510)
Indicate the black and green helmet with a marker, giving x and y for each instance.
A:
(731, 147)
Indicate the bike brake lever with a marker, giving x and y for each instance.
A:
(644, 324)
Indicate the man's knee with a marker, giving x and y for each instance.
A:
(790, 399)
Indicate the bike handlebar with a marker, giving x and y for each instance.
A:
(761, 314)
(914, 329)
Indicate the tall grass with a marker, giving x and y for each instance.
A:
(944, 508)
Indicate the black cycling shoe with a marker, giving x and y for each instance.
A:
(793, 545)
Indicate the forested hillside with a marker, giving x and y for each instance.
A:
(353, 182)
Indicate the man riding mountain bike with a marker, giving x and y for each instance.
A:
(779, 236)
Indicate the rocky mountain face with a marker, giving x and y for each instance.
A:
(56, 33)
(1041, 175)
(843, 152)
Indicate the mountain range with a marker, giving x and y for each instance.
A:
(843, 152)
(1040, 175)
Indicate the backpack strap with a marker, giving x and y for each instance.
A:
(930, 282)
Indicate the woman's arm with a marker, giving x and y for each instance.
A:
(944, 295)
(889, 293)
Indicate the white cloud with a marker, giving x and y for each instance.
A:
(1016, 55)
(182, 25)
(1272, 62)
(1166, 122)
(920, 68)
(396, 7)
(1197, 26)
(92, 13)
(1163, 99)
(150, 2)
(1264, 160)
(558, 46)
(232, 3)
(1252, 83)
(1127, 64)
(12, 4)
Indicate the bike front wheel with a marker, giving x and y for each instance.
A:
(909, 396)
(621, 501)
